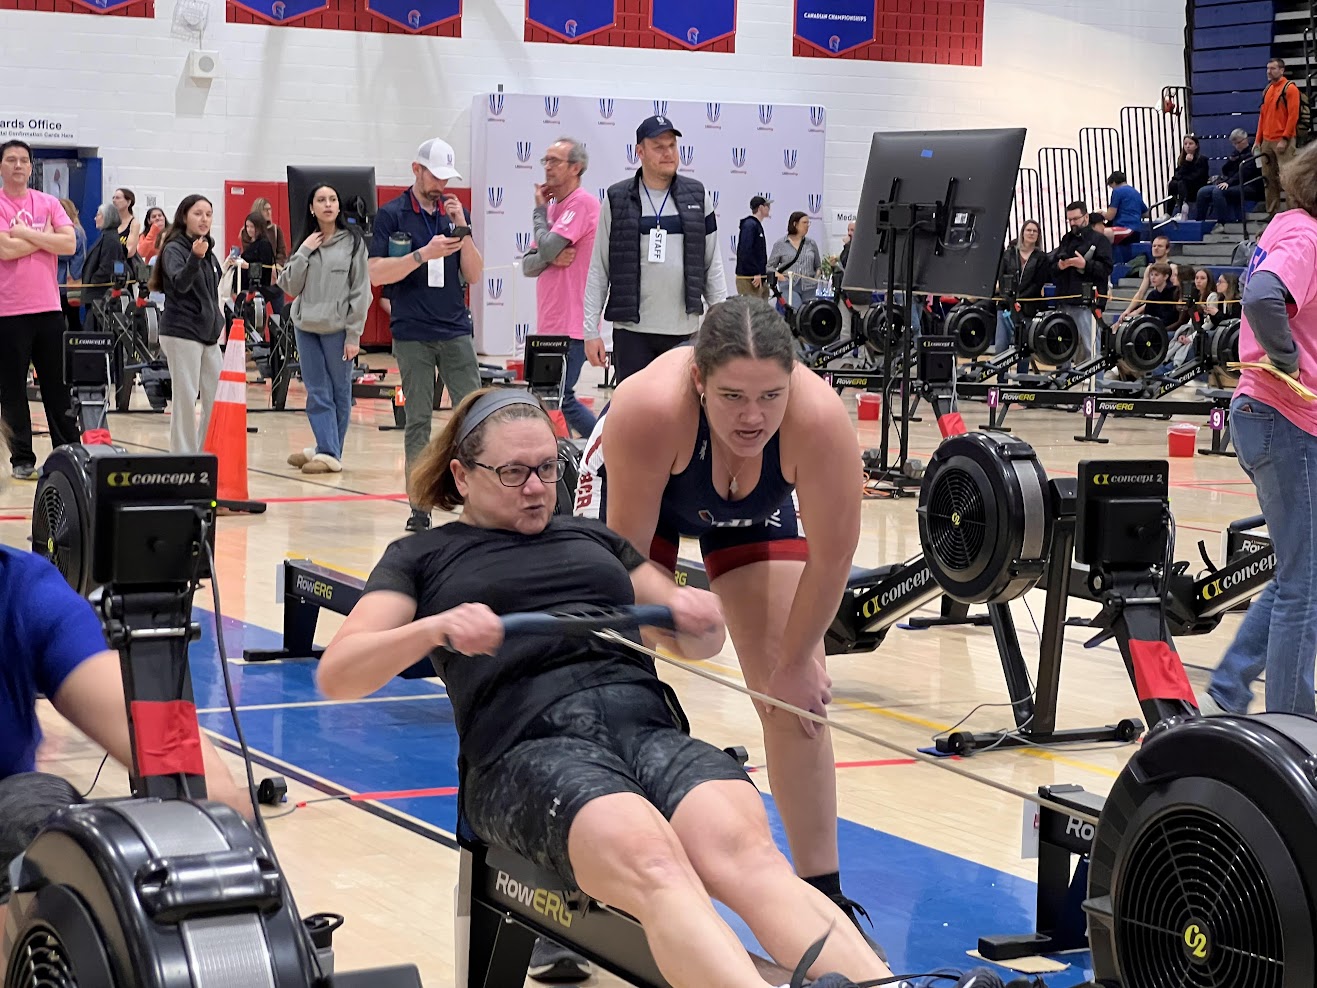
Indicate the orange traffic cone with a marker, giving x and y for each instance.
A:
(226, 436)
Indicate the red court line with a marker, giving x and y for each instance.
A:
(334, 497)
(15, 517)
(878, 763)
(1214, 490)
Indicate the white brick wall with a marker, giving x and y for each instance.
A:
(305, 96)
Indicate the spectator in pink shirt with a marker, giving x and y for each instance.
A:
(1275, 434)
(565, 219)
(34, 231)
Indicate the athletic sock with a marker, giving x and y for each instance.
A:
(829, 884)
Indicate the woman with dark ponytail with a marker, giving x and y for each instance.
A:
(734, 442)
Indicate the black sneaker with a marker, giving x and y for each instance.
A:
(850, 907)
(419, 521)
(25, 472)
(553, 964)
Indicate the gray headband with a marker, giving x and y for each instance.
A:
(487, 405)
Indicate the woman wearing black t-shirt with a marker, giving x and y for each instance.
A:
(572, 752)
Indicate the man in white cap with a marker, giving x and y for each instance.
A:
(422, 252)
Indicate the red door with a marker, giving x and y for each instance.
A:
(238, 199)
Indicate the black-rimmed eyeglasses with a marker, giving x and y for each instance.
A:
(516, 474)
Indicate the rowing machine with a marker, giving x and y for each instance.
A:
(1097, 407)
(164, 890)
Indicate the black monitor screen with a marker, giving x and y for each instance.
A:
(958, 253)
(356, 197)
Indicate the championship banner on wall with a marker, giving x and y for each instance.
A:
(931, 32)
(281, 11)
(105, 6)
(694, 25)
(416, 15)
(737, 150)
(571, 20)
(834, 27)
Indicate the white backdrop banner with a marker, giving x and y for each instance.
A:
(738, 150)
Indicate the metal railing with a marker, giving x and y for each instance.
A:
(1144, 147)
(1028, 202)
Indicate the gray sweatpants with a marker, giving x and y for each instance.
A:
(194, 369)
(417, 361)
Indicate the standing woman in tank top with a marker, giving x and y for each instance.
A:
(733, 441)
(130, 228)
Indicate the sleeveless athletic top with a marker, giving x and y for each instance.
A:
(691, 501)
(123, 234)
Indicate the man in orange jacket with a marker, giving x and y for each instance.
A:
(1277, 123)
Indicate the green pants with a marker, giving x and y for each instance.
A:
(418, 360)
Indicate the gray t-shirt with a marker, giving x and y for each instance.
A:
(662, 285)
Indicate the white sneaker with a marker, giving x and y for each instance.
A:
(1208, 707)
(322, 463)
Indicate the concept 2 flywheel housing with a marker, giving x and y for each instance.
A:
(985, 517)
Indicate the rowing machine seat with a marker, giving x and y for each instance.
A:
(862, 577)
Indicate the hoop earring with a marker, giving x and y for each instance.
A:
(702, 405)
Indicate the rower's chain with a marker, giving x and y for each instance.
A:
(946, 764)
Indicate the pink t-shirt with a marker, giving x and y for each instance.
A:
(30, 284)
(560, 294)
(1288, 249)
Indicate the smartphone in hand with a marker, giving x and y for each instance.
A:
(460, 231)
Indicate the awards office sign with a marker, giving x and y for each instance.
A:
(41, 130)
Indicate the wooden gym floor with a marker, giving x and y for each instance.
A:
(936, 859)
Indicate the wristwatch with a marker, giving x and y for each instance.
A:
(416, 256)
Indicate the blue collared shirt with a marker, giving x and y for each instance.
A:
(419, 311)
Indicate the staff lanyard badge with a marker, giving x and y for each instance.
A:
(434, 270)
(658, 237)
(658, 245)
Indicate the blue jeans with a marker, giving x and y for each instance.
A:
(580, 418)
(328, 380)
(1006, 339)
(1224, 203)
(1279, 630)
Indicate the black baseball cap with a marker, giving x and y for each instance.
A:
(653, 126)
(757, 201)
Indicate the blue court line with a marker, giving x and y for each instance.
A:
(928, 906)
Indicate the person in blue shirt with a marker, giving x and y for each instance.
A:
(422, 251)
(52, 645)
(1127, 207)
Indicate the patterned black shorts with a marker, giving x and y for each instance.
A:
(27, 801)
(609, 739)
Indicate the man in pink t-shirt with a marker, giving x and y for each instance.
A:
(34, 231)
(565, 220)
(1275, 437)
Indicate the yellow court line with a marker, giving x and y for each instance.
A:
(871, 708)
(917, 721)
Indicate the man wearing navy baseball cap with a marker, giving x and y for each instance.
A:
(656, 265)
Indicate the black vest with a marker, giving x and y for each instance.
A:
(624, 249)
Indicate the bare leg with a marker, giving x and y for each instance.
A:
(724, 831)
(625, 854)
(801, 770)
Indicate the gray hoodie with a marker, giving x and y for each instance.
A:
(331, 285)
